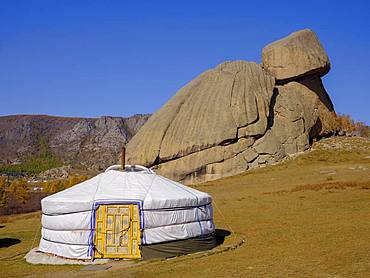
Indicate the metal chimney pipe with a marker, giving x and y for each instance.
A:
(123, 158)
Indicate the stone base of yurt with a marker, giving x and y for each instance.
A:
(37, 257)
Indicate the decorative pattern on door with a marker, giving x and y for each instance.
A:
(117, 231)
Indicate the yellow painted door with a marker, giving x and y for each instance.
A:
(117, 231)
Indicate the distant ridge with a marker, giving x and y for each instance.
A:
(91, 142)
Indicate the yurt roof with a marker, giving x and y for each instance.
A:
(135, 184)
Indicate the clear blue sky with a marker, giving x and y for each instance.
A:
(93, 58)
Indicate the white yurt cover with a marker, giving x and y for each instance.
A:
(169, 211)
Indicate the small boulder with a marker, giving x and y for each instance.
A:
(296, 55)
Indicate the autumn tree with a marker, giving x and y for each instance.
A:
(59, 185)
(72, 180)
(347, 126)
(75, 179)
(362, 129)
(53, 186)
(18, 188)
(3, 192)
(48, 187)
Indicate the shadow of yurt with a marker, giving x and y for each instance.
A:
(7, 242)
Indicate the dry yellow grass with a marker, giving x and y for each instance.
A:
(327, 185)
(317, 226)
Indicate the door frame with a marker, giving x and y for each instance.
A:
(95, 206)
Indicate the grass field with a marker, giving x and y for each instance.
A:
(306, 217)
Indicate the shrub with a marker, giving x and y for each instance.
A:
(347, 126)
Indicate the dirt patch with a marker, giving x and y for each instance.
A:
(324, 186)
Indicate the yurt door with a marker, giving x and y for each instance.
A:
(117, 231)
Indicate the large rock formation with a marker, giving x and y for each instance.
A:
(240, 115)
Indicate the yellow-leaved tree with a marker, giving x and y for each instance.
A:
(3, 192)
(59, 185)
(18, 188)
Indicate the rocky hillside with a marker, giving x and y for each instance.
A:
(92, 142)
(241, 115)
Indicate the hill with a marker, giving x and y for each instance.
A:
(305, 217)
(89, 142)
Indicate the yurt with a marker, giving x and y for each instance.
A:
(131, 213)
